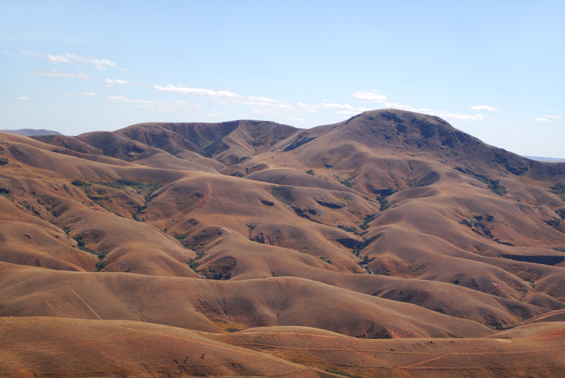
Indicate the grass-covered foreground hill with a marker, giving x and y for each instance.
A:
(387, 245)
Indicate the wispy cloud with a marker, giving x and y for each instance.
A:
(439, 113)
(483, 107)
(214, 113)
(374, 96)
(298, 119)
(552, 116)
(117, 81)
(63, 74)
(59, 106)
(379, 98)
(100, 64)
(265, 106)
(125, 99)
(23, 98)
(7, 37)
(341, 108)
(89, 94)
(23, 54)
(156, 106)
(261, 102)
(196, 91)
(541, 120)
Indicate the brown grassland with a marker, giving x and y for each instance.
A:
(387, 245)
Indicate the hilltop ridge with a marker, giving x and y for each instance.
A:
(400, 226)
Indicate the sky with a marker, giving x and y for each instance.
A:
(494, 69)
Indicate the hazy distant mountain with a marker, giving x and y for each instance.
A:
(546, 159)
(31, 132)
(141, 252)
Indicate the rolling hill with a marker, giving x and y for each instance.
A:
(390, 244)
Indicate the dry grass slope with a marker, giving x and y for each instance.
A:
(390, 225)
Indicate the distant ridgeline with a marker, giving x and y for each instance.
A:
(546, 159)
(31, 132)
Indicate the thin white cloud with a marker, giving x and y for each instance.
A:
(262, 102)
(266, 107)
(308, 108)
(438, 113)
(377, 97)
(342, 108)
(7, 37)
(374, 96)
(156, 106)
(70, 75)
(170, 107)
(552, 116)
(214, 113)
(59, 106)
(117, 81)
(298, 119)
(4, 104)
(23, 54)
(196, 91)
(125, 99)
(23, 98)
(483, 107)
(100, 64)
(89, 94)
(541, 120)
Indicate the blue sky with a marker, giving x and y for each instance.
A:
(494, 69)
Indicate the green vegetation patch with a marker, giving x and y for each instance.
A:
(493, 185)
(87, 187)
(5, 192)
(554, 223)
(326, 260)
(368, 219)
(194, 263)
(299, 142)
(382, 195)
(101, 255)
(353, 230)
(341, 373)
(361, 246)
(477, 223)
(145, 188)
(558, 190)
(384, 203)
(345, 182)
